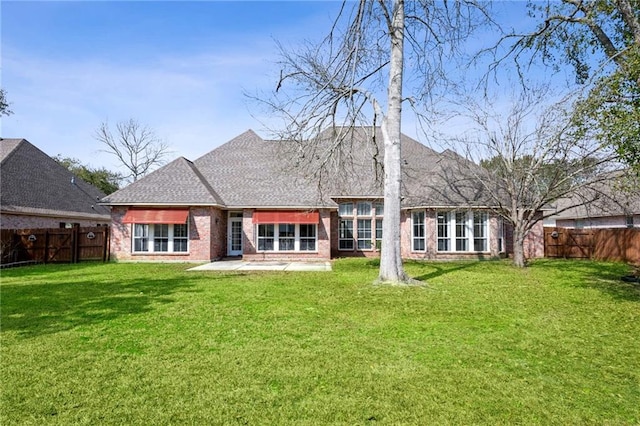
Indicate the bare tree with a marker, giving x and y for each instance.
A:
(136, 147)
(532, 158)
(4, 103)
(355, 77)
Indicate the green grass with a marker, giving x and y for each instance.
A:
(484, 343)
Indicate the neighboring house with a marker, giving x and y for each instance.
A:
(259, 199)
(37, 192)
(613, 204)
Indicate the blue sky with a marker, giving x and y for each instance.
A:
(179, 67)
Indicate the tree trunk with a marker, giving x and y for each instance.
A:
(518, 248)
(391, 268)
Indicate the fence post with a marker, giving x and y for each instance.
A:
(74, 244)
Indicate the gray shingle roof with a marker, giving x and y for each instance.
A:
(249, 171)
(617, 196)
(31, 181)
(177, 183)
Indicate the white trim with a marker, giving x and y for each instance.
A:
(276, 238)
(468, 225)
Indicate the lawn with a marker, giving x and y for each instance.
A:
(483, 343)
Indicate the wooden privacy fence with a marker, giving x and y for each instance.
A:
(61, 245)
(614, 244)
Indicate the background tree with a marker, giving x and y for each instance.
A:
(4, 104)
(136, 147)
(356, 76)
(600, 39)
(534, 159)
(103, 179)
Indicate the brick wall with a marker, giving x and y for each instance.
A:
(323, 241)
(202, 225)
(15, 221)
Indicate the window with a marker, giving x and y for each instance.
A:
(367, 220)
(418, 240)
(461, 232)
(345, 237)
(470, 231)
(307, 237)
(364, 208)
(160, 238)
(501, 247)
(140, 237)
(629, 221)
(364, 234)
(180, 237)
(286, 237)
(345, 209)
(266, 237)
(443, 231)
(378, 233)
(480, 220)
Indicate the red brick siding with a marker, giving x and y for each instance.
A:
(323, 242)
(14, 221)
(202, 224)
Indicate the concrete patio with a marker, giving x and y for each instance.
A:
(240, 265)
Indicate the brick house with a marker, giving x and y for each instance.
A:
(37, 192)
(614, 203)
(258, 199)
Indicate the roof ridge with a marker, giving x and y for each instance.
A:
(15, 148)
(205, 182)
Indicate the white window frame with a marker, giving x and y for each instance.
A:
(460, 228)
(365, 235)
(343, 237)
(149, 240)
(353, 217)
(297, 246)
(414, 237)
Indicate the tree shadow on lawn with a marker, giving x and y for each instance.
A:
(40, 309)
(606, 277)
(442, 268)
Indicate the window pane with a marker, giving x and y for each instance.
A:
(179, 231)
(364, 208)
(266, 231)
(346, 229)
(444, 243)
(378, 229)
(364, 234)
(379, 209)
(266, 239)
(345, 236)
(418, 231)
(345, 209)
(480, 231)
(286, 236)
(307, 237)
(161, 237)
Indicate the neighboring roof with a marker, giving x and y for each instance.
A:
(249, 171)
(617, 196)
(33, 183)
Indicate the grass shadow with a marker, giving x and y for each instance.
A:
(602, 276)
(441, 269)
(45, 308)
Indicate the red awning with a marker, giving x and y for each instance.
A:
(156, 216)
(286, 217)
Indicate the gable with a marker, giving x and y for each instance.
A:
(30, 180)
